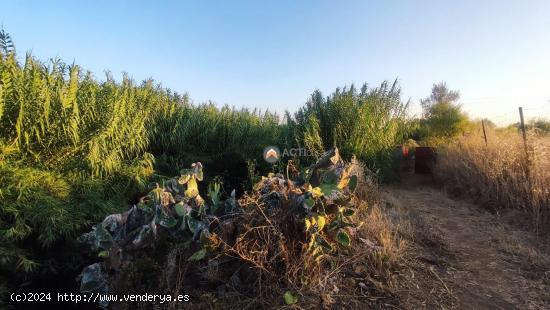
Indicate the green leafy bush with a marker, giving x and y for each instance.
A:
(41, 210)
(367, 123)
(443, 118)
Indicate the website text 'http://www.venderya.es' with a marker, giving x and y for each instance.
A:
(98, 298)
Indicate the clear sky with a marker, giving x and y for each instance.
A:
(273, 54)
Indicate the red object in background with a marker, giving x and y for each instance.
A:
(405, 151)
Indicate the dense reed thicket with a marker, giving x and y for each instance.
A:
(73, 149)
(222, 138)
(56, 116)
(368, 123)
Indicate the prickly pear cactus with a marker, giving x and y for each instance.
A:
(315, 211)
(323, 204)
(175, 209)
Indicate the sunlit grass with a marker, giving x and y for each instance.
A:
(501, 174)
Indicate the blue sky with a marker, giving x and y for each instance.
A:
(273, 54)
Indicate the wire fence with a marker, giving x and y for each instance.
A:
(521, 123)
(510, 116)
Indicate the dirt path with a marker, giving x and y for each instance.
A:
(462, 256)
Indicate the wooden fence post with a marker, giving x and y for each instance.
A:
(522, 125)
(527, 161)
(484, 134)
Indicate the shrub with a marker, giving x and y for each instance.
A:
(368, 123)
(41, 213)
(443, 119)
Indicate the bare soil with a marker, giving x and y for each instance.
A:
(462, 256)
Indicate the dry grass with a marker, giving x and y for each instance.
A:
(381, 225)
(367, 276)
(386, 256)
(379, 242)
(500, 174)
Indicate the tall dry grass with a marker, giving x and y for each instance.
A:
(500, 174)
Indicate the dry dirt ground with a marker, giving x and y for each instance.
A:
(462, 256)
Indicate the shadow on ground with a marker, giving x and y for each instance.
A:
(462, 256)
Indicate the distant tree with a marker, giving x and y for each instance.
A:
(542, 125)
(513, 127)
(444, 118)
(489, 123)
(440, 94)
